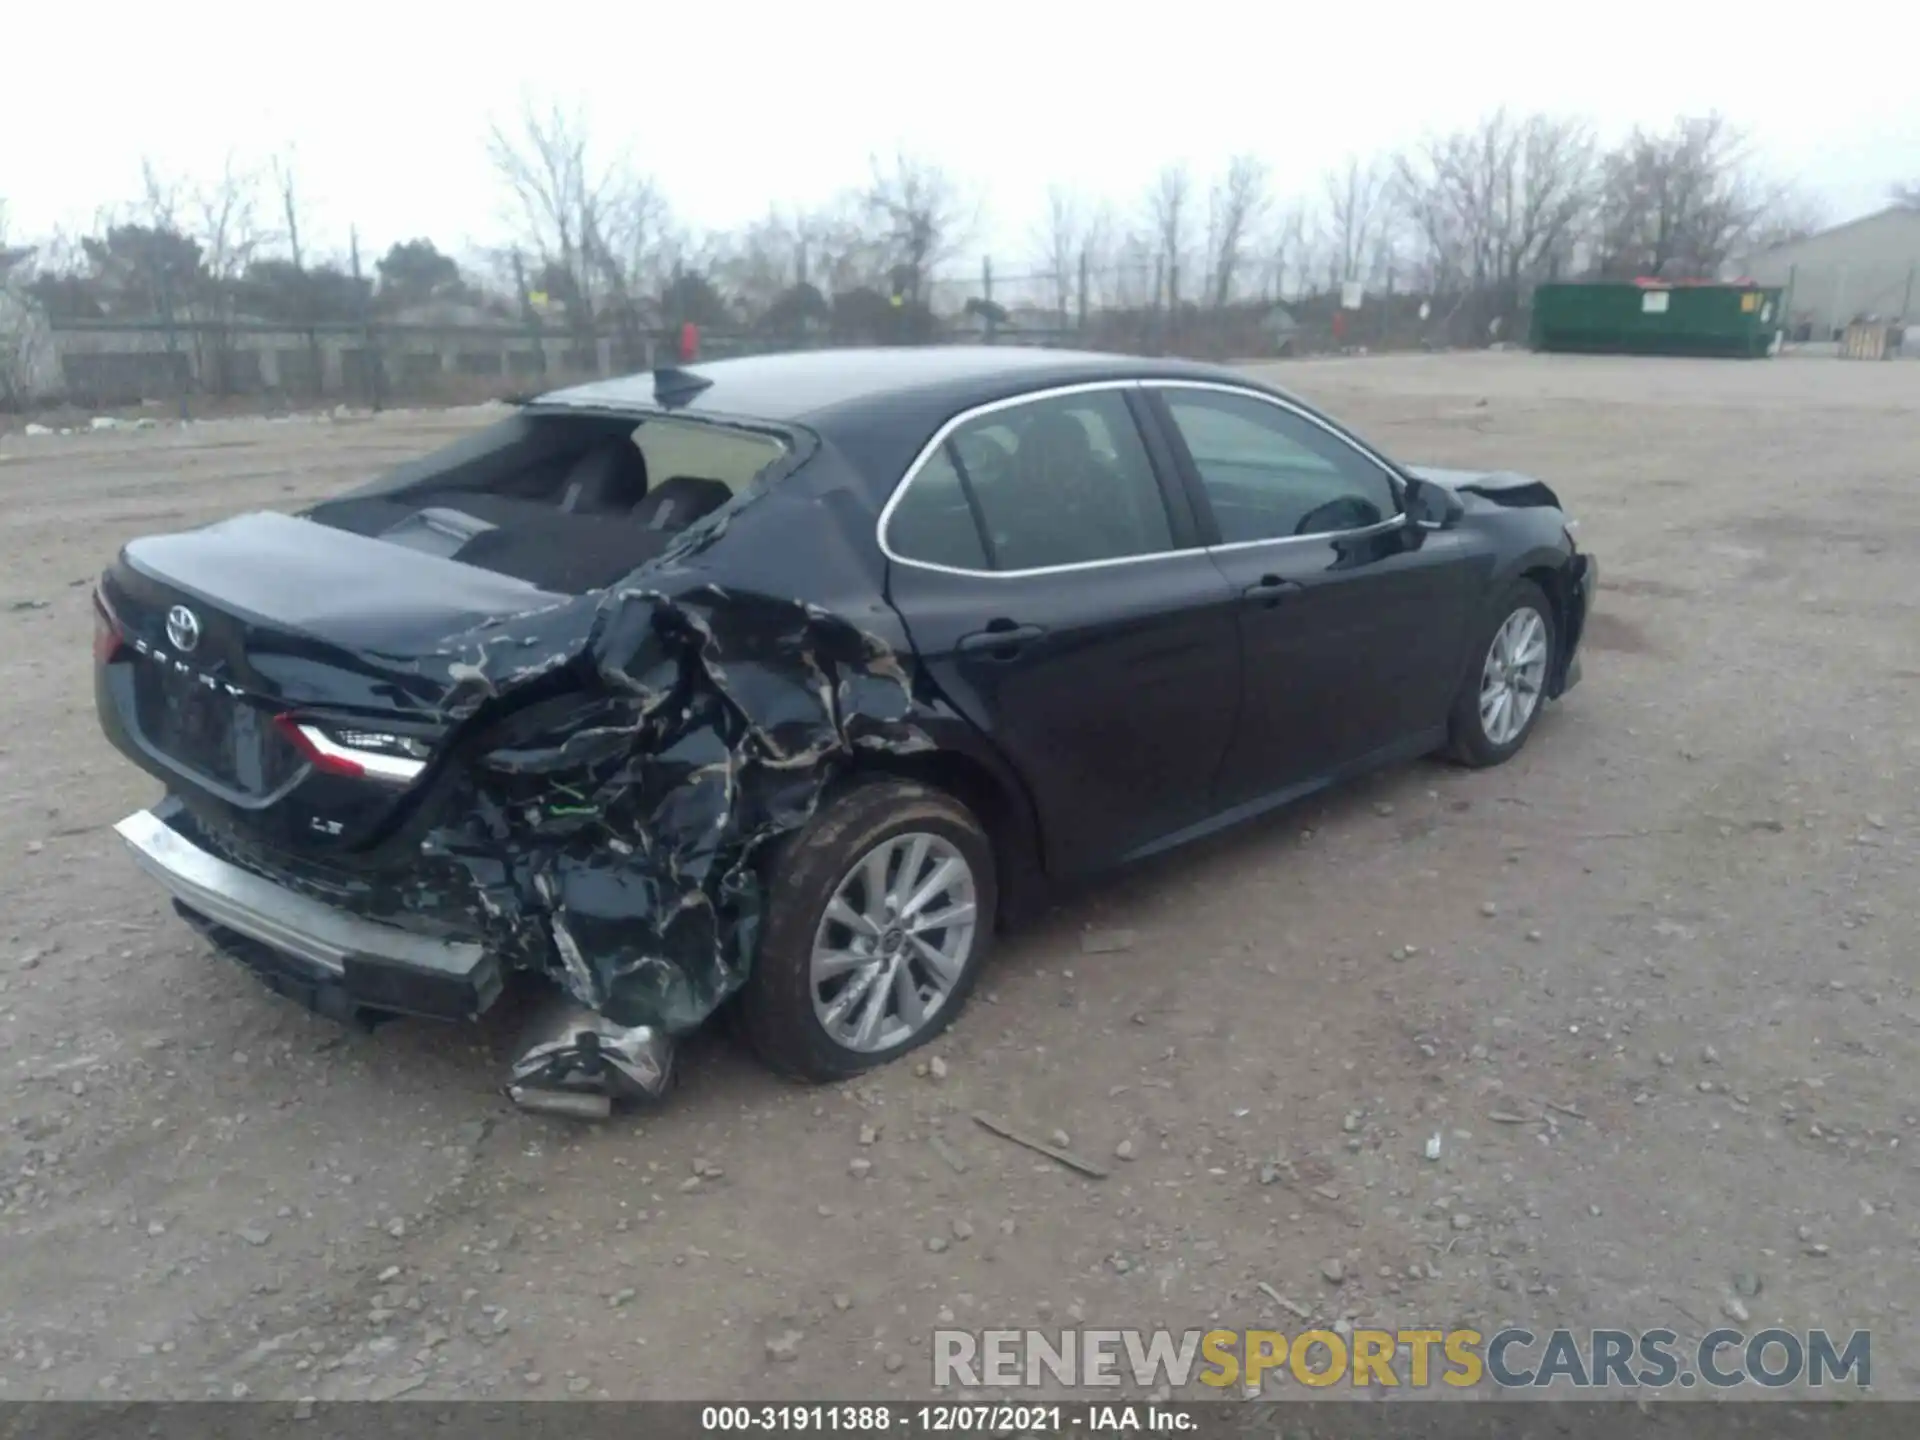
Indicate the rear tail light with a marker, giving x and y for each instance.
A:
(107, 636)
(357, 754)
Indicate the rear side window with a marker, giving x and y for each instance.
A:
(1060, 481)
(933, 521)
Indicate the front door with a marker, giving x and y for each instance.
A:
(1350, 618)
(1063, 606)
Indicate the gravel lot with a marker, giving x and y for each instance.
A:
(1649, 984)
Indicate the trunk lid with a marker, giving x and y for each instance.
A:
(287, 677)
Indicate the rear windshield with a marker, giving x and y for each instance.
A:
(710, 452)
(568, 502)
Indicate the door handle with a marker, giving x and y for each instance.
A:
(1269, 591)
(1001, 640)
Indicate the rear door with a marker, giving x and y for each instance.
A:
(1048, 571)
(1350, 618)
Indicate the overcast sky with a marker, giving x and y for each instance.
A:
(734, 106)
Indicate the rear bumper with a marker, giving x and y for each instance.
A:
(333, 961)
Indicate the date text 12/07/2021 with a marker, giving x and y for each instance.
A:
(903, 1419)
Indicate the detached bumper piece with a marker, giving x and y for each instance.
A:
(335, 963)
(574, 1062)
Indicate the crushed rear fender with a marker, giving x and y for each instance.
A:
(611, 838)
(620, 769)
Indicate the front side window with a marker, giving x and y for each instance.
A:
(1271, 474)
(1060, 481)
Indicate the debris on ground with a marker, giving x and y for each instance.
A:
(1053, 1152)
(955, 1161)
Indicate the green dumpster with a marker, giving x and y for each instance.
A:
(1657, 317)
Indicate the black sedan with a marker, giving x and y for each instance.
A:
(779, 683)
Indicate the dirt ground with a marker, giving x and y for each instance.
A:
(1667, 941)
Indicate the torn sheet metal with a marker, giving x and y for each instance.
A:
(616, 845)
(620, 766)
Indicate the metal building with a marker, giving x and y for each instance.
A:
(1868, 267)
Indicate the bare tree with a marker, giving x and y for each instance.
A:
(24, 343)
(926, 218)
(764, 260)
(159, 198)
(602, 232)
(1286, 250)
(1119, 264)
(285, 183)
(1497, 207)
(544, 164)
(844, 250)
(1236, 207)
(200, 238)
(226, 221)
(1170, 211)
(629, 240)
(1788, 214)
(1680, 202)
(1357, 215)
(1060, 244)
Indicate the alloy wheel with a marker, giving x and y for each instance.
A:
(1513, 676)
(894, 942)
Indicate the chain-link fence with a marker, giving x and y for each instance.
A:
(193, 364)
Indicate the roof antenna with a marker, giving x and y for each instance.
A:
(674, 387)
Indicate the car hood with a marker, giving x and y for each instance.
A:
(1502, 487)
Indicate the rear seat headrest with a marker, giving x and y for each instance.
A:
(609, 478)
(676, 503)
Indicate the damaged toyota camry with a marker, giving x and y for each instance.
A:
(778, 684)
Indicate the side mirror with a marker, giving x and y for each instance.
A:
(1431, 506)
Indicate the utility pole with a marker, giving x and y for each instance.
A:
(185, 381)
(1159, 279)
(986, 294)
(299, 268)
(528, 313)
(371, 354)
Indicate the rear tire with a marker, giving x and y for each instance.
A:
(810, 962)
(1504, 690)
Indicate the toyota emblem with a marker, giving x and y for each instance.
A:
(183, 628)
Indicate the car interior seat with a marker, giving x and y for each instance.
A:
(609, 479)
(1077, 506)
(676, 503)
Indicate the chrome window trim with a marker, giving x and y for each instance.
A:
(1030, 397)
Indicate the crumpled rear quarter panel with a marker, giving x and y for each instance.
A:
(612, 837)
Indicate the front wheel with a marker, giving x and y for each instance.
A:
(1502, 695)
(879, 915)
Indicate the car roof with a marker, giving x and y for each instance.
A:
(939, 380)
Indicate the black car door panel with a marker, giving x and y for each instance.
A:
(1111, 689)
(1059, 603)
(1350, 619)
